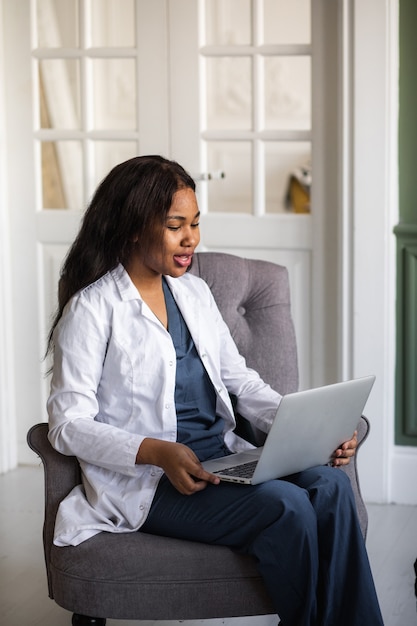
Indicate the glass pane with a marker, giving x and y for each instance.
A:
(287, 92)
(62, 181)
(287, 176)
(107, 154)
(59, 89)
(287, 22)
(113, 23)
(233, 193)
(57, 23)
(114, 94)
(228, 22)
(229, 93)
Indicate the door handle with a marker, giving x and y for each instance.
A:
(215, 175)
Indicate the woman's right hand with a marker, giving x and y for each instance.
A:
(179, 463)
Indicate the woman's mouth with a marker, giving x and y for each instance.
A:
(184, 260)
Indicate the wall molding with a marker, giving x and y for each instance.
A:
(406, 366)
(371, 214)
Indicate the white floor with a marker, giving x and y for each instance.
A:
(392, 548)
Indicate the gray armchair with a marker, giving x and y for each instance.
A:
(142, 576)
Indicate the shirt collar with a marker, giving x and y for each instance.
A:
(126, 288)
(128, 291)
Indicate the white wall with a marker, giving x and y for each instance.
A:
(386, 470)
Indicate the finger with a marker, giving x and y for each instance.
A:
(201, 475)
(339, 461)
(352, 443)
(199, 485)
(348, 451)
(186, 485)
(189, 482)
(193, 486)
(342, 457)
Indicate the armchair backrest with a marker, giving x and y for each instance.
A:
(254, 299)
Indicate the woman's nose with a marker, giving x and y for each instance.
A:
(191, 237)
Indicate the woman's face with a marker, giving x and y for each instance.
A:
(180, 237)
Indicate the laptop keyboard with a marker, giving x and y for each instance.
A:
(245, 470)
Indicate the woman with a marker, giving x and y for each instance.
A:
(143, 368)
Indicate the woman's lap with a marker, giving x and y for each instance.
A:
(232, 514)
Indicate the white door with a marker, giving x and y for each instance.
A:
(254, 106)
(91, 85)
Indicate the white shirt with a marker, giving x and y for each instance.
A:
(113, 385)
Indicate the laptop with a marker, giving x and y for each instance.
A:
(308, 427)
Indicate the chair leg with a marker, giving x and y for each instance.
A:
(85, 620)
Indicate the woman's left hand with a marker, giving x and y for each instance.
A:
(342, 455)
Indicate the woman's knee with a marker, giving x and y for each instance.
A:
(336, 481)
(286, 501)
(288, 522)
(322, 476)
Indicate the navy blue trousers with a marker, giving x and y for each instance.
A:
(303, 531)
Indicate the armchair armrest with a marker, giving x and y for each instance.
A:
(352, 471)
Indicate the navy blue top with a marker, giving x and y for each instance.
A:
(195, 398)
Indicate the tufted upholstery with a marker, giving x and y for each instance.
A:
(140, 576)
(254, 299)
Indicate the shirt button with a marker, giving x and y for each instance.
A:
(142, 506)
(167, 406)
(171, 363)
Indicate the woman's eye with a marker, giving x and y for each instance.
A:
(176, 228)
